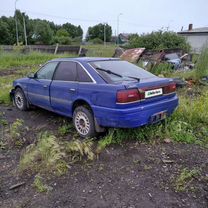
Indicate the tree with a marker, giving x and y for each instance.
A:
(38, 31)
(97, 31)
(62, 37)
(43, 34)
(73, 30)
(5, 34)
(158, 40)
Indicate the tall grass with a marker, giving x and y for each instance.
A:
(202, 64)
(16, 59)
(189, 124)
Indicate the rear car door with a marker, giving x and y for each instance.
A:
(64, 88)
(38, 88)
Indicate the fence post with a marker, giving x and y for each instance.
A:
(56, 49)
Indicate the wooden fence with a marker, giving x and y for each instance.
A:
(78, 50)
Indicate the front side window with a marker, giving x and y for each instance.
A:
(66, 71)
(46, 72)
(118, 71)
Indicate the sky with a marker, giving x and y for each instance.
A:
(135, 16)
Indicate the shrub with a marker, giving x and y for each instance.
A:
(158, 40)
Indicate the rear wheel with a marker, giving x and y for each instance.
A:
(84, 122)
(19, 100)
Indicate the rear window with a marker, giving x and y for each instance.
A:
(123, 68)
(66, 71)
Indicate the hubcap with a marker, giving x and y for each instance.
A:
(82, 123)
(19, 100)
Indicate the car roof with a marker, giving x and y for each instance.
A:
(85, 59)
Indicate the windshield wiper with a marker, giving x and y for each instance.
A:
(136, 78)
(118, 75)
(109, 72)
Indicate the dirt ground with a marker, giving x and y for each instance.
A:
(131, 175)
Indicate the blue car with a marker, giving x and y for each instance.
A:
(97, 93)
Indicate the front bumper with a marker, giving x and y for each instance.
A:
(133, 117)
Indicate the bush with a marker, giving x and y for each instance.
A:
(97, 41)
(62, 40)
(158, 40)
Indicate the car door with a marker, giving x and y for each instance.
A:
(38, 87)
(63, 89)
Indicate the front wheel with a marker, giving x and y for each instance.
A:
(20, 100)
(84, 122)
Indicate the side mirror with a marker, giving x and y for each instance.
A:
(31, 76)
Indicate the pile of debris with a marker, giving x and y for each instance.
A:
(150, 58)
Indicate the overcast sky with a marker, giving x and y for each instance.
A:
(138, 16)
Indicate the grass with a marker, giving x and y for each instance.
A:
(46, 155)
(202, 64)
(39, 185)
(100, 50)
(16, 59)
(21, 65)
(50, 155)
(189, 124)
(184, 179)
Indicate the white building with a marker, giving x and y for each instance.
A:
(196, 37)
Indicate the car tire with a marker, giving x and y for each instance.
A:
(84, 122)
(20, 100)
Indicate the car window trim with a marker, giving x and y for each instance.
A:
(57, 69)
(92, 79)
(44, 66)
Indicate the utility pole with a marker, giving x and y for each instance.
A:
(104, 34)
(17, 36)
(25, 33)
(118, 26)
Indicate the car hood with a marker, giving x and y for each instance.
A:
(174, 61)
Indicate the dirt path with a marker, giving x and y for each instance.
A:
(131, 175)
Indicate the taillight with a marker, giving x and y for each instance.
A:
(169, 88)
(127, 96)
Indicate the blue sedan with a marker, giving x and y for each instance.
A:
(97, 93)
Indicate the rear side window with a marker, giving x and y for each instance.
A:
(82, 74)
(66, 71)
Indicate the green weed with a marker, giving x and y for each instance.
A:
(77, 149)
(184, 179)
(51, 155)
(39, 185)
(65, 129)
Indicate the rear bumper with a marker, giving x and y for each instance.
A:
(133, 117)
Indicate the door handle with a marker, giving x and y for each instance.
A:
(72, 90)
(45, 86)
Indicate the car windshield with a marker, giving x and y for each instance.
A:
(117, 71)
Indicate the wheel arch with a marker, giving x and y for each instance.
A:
(81, 102)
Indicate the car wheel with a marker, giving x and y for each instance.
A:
(84, 122)
(20, 100)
